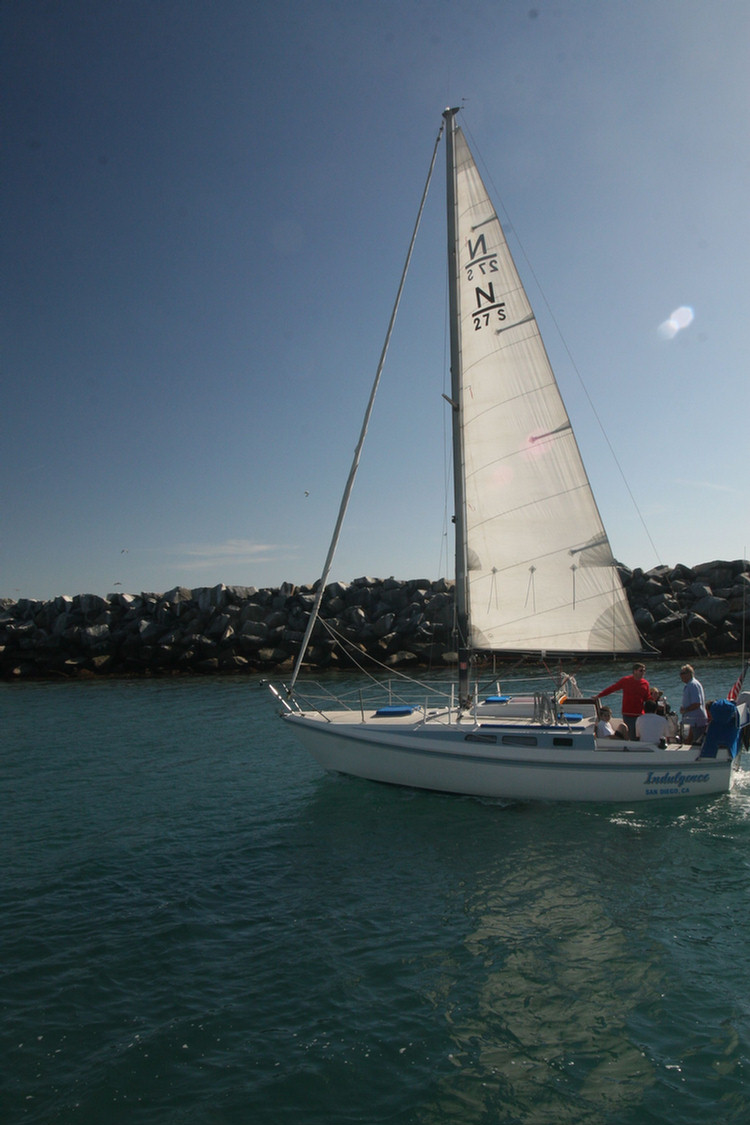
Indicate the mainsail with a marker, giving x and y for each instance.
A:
(541, 575)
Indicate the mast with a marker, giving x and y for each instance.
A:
(462, 592)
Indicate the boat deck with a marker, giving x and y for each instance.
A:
(577, 719)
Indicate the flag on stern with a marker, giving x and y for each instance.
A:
(736, 687)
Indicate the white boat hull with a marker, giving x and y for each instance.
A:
(524, 763)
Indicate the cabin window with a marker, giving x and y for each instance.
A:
(519, 740)
(562, 741)
(491, 738)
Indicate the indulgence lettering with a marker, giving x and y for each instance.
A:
(678, 778)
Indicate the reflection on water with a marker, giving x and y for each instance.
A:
(591, 983)
(540, 1031)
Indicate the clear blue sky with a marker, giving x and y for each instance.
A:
(206, 208)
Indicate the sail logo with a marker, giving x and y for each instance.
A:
(483, 263)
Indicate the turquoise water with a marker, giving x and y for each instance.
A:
(198, 926)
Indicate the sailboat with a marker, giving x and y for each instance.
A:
(534, 572)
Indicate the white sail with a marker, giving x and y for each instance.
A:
(541, 574)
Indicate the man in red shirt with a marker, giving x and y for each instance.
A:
(634, 694)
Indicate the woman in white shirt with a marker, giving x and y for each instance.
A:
(604, 728)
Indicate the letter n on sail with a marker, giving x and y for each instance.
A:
(488, 295)
(474, 250)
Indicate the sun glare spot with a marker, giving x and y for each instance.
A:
(680, 318)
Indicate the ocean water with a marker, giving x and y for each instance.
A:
(198, 926)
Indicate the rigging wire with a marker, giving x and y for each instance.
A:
(363, 432)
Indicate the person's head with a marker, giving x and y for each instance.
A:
(639, 671)
(686, 672)
(655, 694)
(606, 713)
(649, 707)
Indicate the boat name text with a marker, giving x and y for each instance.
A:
(678, 782)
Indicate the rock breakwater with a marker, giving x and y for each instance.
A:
(681, 612)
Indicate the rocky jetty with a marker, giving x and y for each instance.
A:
(681, 612)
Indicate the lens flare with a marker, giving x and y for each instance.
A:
(680, 318)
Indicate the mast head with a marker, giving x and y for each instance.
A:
(449, 112)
